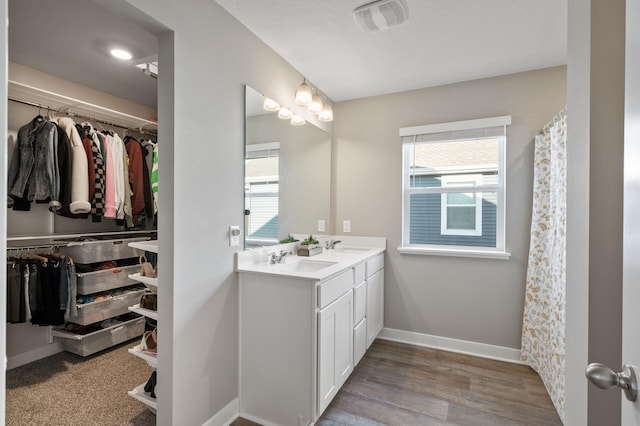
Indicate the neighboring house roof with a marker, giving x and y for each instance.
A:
(266, 167)
(454, 156)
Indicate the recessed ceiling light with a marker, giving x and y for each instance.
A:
(121, 54)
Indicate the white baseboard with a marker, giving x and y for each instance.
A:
(225, 416)
(481, 350)
(34, 355)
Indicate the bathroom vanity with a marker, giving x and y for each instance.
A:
(304, 325)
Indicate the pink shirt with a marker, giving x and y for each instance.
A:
(110, 190)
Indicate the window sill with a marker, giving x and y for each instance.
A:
(501, 255)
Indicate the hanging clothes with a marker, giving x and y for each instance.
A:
(93, 172)
(136, 177)
(33, 170)
(79, 176)
(147, 165)
(154, 178)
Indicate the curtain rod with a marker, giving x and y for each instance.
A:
(72, 114)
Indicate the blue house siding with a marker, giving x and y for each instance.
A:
(425, 219)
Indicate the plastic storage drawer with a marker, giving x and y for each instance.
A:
(107, 308)
(108, 279)
(93, 251)
(97, 341)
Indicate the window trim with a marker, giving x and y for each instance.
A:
(498, 252)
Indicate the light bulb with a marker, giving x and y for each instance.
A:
(285, 113)
(316, 104)
(270, 105)
(303, 95)
(121, 54)
(296, 120)
(326, 114)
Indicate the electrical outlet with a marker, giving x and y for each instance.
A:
(321, 225)
(346, 226)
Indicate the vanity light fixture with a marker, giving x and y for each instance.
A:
(296, 120)
(327, 113)
(316, 104)
(303, 94)
(270, 105)
(285, 113)
(121, 54)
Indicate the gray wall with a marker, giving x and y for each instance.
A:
(476, 300)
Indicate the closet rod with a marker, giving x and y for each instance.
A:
(72, 114)
(28, 248)
(91, 234)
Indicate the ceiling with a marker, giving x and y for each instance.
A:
(443, 41)
(71, 39)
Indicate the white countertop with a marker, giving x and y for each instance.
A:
(318, 267)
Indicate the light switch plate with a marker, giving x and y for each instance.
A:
(234, 236)
(346, 226)
(321, 225)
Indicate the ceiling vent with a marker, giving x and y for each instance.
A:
(381, 15)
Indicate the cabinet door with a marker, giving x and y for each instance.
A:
(375, 305)
(335, 348)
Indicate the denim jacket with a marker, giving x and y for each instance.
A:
(35, 163)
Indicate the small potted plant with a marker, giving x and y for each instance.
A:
(309, 247)
(290, 239)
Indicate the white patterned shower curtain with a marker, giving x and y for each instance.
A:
(543, 327)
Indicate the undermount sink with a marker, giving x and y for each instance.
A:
(350, 249)
(305, 266)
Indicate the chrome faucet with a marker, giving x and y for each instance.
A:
(275, 257)
(331, 244)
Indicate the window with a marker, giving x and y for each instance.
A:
(461, 212)
(261, 190)
(453, 188)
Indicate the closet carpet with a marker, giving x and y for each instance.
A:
(67, 389)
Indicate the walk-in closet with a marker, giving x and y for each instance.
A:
(82, 252)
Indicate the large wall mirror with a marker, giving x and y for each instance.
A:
(287, 176)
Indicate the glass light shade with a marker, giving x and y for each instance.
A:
(316, 104)
(285, 113)
(296, 120)
(303, 95)
(326, 114)
(270, 105)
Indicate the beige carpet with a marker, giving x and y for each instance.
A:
(67, 389)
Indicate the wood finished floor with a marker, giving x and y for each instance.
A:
(399, 384)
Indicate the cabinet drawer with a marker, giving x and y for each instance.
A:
(101, 310)
(358, 272)
(375, 264)
(92, 251)
(108, 279)
(359, 341)
(359, 301)
(129, 328)
(334, 288)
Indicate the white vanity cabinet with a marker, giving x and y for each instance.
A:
(335, 339)
(359, 314)
(375, 297)
(301, 334)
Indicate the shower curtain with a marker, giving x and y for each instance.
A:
(543, 327)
